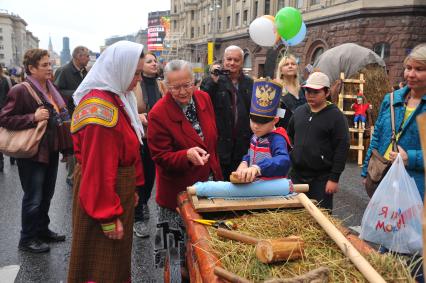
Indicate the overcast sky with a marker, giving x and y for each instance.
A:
(85, 22)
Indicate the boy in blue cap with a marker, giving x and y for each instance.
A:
(267, 157)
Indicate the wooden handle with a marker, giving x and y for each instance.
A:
(232, 235)
(347, 248)
(301, 188)
(229, 276)
(191, 190)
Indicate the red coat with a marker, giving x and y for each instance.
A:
(101, 150)
(170, 135)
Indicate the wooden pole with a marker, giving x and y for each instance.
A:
(298, 188)
(421, 123)
(229, 276)
(347, 248)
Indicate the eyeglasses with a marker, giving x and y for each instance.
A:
(177, 88)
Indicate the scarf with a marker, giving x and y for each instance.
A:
(114, 71)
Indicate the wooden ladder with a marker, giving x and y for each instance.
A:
(342, 96)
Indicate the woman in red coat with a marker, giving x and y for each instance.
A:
(182, 136)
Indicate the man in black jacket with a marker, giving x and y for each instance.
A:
(67, 79)
(320, 135)
(230, 92)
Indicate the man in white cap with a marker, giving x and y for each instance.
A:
(320, 135)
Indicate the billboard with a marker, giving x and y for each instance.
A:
(158, 27)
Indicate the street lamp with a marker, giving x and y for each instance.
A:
(214, 6)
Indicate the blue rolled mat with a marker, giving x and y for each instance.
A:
(212, 189)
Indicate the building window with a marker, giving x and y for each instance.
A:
(175, 9)
(1, 47)
(314, 2)
(192, 32)
(1, 37)
(281, 4)
(192, 15)
(204, 29)
(228, 2)
(219, 24)
(175, 24)
(1, 56)
(299, 4)
(228, 22)
(198, 31)
(245, 16)
(382, 49)
(1, 30)
(237, 19)
(267, 7)
(255, 9)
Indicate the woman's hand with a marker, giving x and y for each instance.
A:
(144, 119)
(197, 156)
(136, 199)
(404, 155)
(117, 233)
(331, 187)
(41, 114)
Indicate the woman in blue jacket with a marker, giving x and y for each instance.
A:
(409, 102)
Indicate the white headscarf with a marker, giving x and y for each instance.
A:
(114, 71)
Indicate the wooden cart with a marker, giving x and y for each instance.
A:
(202, 259)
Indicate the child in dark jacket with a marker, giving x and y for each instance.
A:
(320, 135)
(268, 155)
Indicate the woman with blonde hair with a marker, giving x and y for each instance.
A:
(293, 95)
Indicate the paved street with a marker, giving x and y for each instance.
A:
(350, 203)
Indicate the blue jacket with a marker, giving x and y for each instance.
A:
(409, 139)
(270, 153)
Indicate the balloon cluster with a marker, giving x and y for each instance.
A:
(287, 26)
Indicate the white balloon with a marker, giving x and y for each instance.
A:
(262, 31)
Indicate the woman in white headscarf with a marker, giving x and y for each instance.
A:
(107, 135)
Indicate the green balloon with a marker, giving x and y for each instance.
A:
(288, 21)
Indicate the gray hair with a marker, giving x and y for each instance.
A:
(78, 50)
(177, 65)
(234, 48)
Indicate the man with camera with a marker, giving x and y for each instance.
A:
(230, 92)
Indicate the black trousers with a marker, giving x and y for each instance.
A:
(149, 173)
(38, 183)
(316, 189)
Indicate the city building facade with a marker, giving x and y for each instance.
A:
(65, 53)
(15, 39)
(389, 27)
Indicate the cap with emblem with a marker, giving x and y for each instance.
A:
(317, 80)
(265, 100)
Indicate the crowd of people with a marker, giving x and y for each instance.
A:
(130, 129)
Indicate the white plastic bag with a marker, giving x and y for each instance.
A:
(393, 217)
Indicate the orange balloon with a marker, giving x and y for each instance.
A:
(277, 36)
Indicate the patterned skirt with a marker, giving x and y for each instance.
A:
(94, 257)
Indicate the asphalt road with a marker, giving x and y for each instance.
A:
(349, 205)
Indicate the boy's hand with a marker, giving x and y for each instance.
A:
(331, 187)
(247, 175)
(243, 165)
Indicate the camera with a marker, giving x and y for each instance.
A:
(220, 71)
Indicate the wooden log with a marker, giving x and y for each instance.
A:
(421, 123)
(270, 251)
(229, 276)
(199, 237)
(232, 235)
(347, 248)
